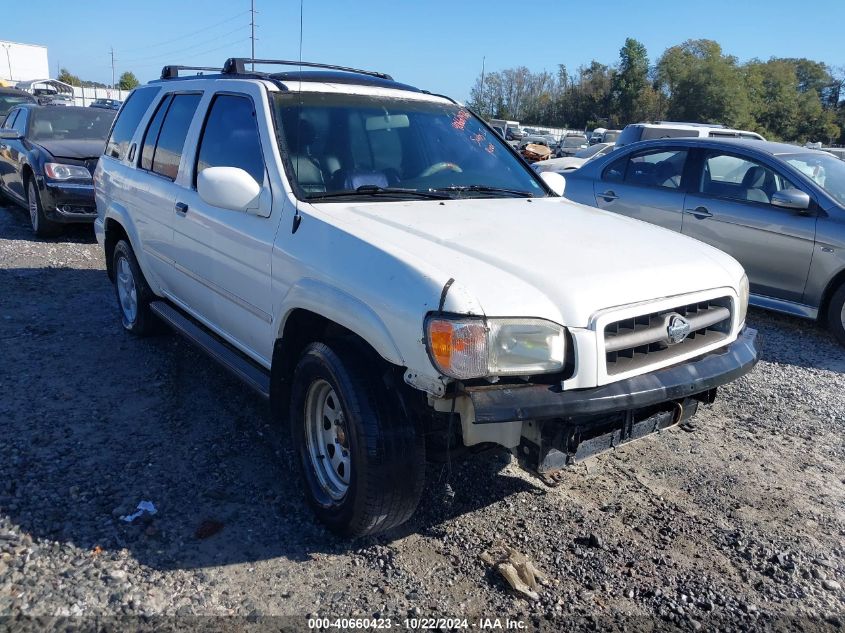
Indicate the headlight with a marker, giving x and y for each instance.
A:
(58, 171)
(743, 298)
(471, 347)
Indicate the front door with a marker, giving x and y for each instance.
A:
(730, 208)
(230, 251)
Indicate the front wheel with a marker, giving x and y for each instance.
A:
(41, 225)
(362, 458)
(836, 314)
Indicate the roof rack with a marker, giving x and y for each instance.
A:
(172, 72)
(237, 66)
(690, 124)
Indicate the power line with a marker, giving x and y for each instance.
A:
(197, 54)
(177, 52)
(187, 35)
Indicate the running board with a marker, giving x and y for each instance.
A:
(254, 376)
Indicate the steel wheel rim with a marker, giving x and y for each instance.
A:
(327, 439)
(32, 203)
(126, 291)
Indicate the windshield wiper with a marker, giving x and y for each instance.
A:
(487, 189)
(375, 190)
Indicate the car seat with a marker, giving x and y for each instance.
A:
(759, 184)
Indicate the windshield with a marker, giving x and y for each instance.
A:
(574, 141)
(9, 101)
(610, 137)
(70, 123)
(358, 144)
(826, 171)
(591, 151)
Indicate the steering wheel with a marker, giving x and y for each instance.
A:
(438, 167)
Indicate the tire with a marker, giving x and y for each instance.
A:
(381, 480)
(132, 292)
(836, 314)
(41, 225)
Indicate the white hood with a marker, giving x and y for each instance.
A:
(547, 257)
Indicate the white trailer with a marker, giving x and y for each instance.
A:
(22, 62)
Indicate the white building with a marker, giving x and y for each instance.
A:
(22, 62)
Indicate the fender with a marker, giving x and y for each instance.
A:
(118, 213)
(344, 309)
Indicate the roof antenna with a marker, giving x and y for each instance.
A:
(297, 218)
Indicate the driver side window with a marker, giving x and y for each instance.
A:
(739, 178)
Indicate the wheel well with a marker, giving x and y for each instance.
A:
(832, 286)
(114, 233)
(27, 174)
(301, 328)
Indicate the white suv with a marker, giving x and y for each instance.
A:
(668, 129)
(399, 283)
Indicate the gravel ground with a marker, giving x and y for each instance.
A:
(736, 524)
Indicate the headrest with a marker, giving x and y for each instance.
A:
(754, 178)
(357, 179)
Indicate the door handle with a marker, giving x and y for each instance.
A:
(699, 212)
(609, 195)
(181, 208)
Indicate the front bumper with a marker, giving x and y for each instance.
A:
(68, 203)
(495, 404)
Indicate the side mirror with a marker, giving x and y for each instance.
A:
(10, 135)
(791, 199)
(555, 181)
(229, 188)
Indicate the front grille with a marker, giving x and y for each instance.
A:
(637, 342)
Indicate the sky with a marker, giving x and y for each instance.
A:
(437, 45)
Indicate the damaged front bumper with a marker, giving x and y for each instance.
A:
(559, 427)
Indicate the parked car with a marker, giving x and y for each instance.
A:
(11, 97)
(514, 134)
(47, 157)
(108, 104)
(666, 129)
(779, 209)
(570, 163)
(570, 144)
(382, 266)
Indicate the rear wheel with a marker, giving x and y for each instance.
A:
(41, 225)
(836, 314)
(132, 292)
(362, 458)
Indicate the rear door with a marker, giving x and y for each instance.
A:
(12, 154)
(646, 185)
(159, 159)
(729, 207)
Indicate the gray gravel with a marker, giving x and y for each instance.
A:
(736, 524)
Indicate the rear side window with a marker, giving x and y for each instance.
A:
(128, 119)
(20, 122)
(230, 137)
(662, 168)
(666, 132)
(162, 148)
(10, 119)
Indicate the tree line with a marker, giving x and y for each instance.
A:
(788, 99)
(127, 80)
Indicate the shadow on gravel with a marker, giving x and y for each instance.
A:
(20, 228)
(789, 340)
(94, 421)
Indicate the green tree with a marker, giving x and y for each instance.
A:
(128, 81)
(630, 84)
(66, 77)
(703, 85)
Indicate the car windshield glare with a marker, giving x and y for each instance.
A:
(52, 123)
(366, 144)
(574, 141)
(826, 171)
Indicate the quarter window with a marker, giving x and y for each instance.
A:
(230, 137)
(10, 119)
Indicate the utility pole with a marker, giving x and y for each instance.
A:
(112, 67)
(252, 29)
